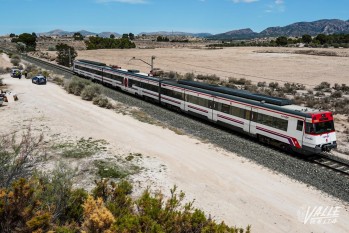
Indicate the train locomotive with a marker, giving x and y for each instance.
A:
(272, 120)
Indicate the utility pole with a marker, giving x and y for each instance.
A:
(151, 62)
(69, 57)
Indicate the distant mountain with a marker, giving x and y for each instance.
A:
(56, 32)
(246, 33)
(165, 33)
(86, 33)
(59, 32)
(324, 26)
(107, 34)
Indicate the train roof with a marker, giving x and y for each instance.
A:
(135, 73)
(92, 62)
(286, 108)
(240, 93)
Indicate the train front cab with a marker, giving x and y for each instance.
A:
(319, 135)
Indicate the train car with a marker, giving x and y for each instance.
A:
(131, 81)
(272, 120)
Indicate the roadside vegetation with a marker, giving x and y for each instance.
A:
(319, 41)
(108, 43)
(38, 201)
(88, 91)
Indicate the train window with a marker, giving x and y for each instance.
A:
(226, 108)
(132, 82)
(150, 87)
(247, 114)
(239, 112)
(174, 94)
(300, 125)
(117, 78)
(272, 121)
(217, 106)
(197, 100)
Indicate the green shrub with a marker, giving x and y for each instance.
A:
(52, 48)
(15, 61)
(76, 85)
(324, 86)
(102, 101)
(107, 170)
(337, 94)
(59, 81)
(189, 76)
(90, 92)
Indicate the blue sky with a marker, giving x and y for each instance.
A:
(136, 16)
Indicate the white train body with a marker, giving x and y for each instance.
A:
(273, 120)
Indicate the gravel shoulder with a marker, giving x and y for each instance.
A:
(227, 186)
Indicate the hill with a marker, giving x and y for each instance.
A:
(324, 26)
(165, 33)
(59, 32)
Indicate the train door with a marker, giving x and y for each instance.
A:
(247, 121)
(214, 110)
(211, 107)
(296, 129)
(126, 82)
(253, 120)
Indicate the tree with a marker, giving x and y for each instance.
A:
(322, 38)
(306, 39)
(12, 35)
(281, 41)
(21, 47)
(112, 36)
(131, 36)
(65, 54)
(28, 39)
(34, 35)
(125, 36)
(78, 36)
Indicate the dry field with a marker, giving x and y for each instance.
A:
(256, 64)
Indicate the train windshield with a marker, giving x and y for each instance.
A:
(319, 128)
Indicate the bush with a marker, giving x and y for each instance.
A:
(76, 85)
(261, 84)
(189, 76)
(102, 101)
(274, 85)
(52, 48)
(58, 81)
(15, 61)
(90, 92)
(324, 86)
(337, 94)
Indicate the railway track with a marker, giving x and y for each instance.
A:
(42, 63)
(332, 164)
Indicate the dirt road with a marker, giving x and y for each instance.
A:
(226, 186)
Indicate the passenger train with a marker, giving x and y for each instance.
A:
(272, 120)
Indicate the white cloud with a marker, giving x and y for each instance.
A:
(123, 1)
(245, 1)
(276, 6)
